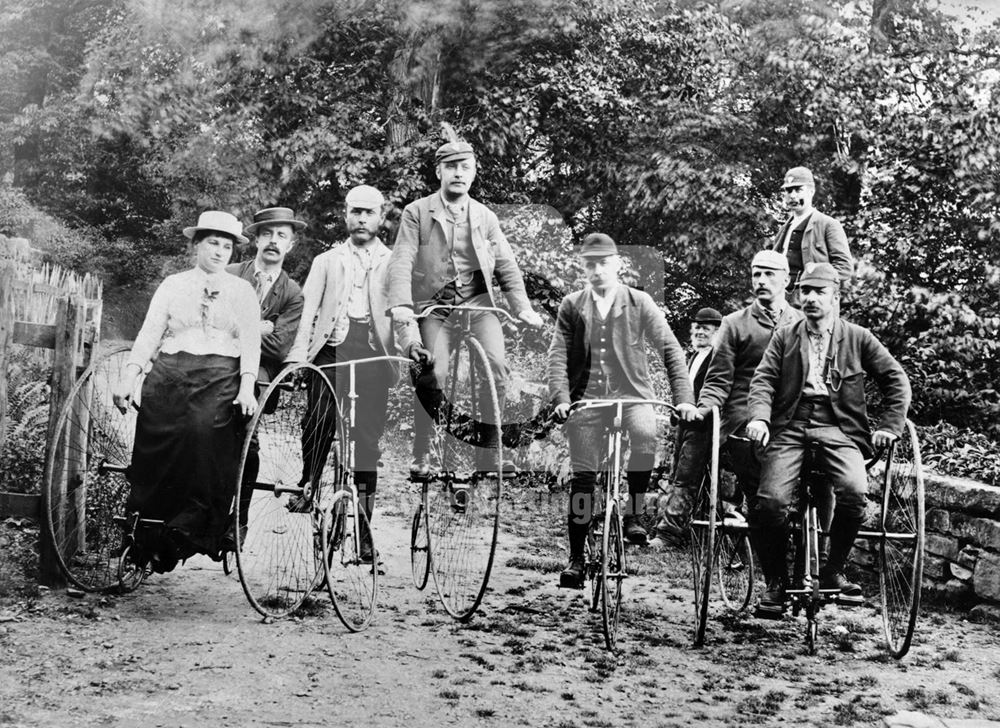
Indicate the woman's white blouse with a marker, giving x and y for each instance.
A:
(201, 314)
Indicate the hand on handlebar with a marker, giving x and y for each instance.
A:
(529, 317)
(759, 432)
(420, 355)
(882, 439)
(688, 412)
(561, 412)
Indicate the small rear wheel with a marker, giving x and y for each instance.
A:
(420, 563)
(901, 543)
(130, 574)
(735, 569)
(351, 575)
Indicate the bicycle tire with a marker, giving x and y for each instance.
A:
(351, 583)
(901, 545)
(612, 574)
(592, 557)
(703, 535)
(85, 466)
(130, 574)
(463, 511)
(736, 569)
(420, 562)
(278, 550)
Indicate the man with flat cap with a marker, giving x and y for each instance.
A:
(598, 351)
(810, 388)
(691, 441)
(274, 230)
(449, 250)
(809, 236)
(345, 318)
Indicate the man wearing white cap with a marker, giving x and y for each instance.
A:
(448, 251)
(274, 230)
(809, 236)
(344, 318)
(809, 390)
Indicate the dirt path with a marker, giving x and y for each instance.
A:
(187, 650)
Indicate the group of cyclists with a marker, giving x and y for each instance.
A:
(785, 371)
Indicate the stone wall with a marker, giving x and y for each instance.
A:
(962, 546)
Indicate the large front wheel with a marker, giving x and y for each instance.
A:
(704, 524)
(278, 537)
(85, 486)
(901, 541)
(612, 574)
(463, 500)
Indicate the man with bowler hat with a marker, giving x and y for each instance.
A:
(598, 351)
(810, 388)
(809, 236)
(449, 250)
(345, 318)
(691, 441)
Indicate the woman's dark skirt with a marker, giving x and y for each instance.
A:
(186, 456)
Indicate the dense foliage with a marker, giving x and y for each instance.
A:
(666, 123)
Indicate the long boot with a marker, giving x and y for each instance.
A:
(573, 575)
(366, 483)
(771, 545)
(843, 532)
(638, 482)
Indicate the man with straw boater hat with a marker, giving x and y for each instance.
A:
(274, 230)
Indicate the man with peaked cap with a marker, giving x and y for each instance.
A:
(739, 346)
(274, 230)
(345, 318)
(691, 441)
(598, 352)
(810, 388)
(809, 236)
(449, 250)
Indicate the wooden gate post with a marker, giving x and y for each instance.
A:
(65, 503)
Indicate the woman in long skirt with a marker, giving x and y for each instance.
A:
(202, 335)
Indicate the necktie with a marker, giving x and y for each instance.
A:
(262, 280)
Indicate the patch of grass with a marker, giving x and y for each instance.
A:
(531, 563)
(485, 712)
(917, 697)
(479, 660)
(952, 655)
(760, 707)
(962, 688)
(439, 674)
(568, 696)
(450, 694)
(529, 688)
(859, 709)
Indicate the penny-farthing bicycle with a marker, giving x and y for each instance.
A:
(455, 527)
(604, 550)
(300, 524)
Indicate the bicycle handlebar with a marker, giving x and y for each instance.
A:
(471, 309)
(368, 360)
(869, 462)
(583, 404)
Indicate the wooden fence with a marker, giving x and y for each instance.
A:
(58, 313)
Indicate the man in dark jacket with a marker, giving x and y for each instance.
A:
(809, 236)
(280, 297)
(598, 351)
(691, 442)
(810, 388)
